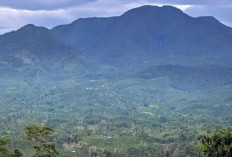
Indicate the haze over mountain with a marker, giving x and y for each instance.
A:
(143, 36)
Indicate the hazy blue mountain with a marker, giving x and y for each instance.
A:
(30, 37)
(142, 37)
(150, 35)
(32, 50)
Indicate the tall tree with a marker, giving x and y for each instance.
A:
(216, 144)
(39, 135)
(4, 152)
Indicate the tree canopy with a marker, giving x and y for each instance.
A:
(39, 135)
(216, 144)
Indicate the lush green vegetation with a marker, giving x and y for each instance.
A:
(130, 115)
(4, 152)
(37, 135)
(218, 143)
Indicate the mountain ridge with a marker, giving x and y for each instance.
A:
(142, 36)
(163, 29)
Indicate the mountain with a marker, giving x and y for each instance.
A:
(148, 35)
(141, 37)
(33, 50)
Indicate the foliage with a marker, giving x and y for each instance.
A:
(216, 144)
(4, 152)
(39, 134)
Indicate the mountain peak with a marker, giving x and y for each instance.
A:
(32, 27)
(29, 26)
(150, 9)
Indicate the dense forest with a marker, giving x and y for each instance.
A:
(217, 143)
(137, 115)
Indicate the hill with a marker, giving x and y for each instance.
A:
(33, 51)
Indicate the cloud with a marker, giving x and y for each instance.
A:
(59, 4)
(196, 2)
(4, 30)
(223, 13)
(42, 4)
(12, 19)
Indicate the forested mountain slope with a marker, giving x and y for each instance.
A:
(150, 35)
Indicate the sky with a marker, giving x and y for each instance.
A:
(49, 13)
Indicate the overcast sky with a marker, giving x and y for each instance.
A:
(49, 13)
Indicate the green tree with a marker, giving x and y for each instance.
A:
(4, 152)
(39, 135)
(216, 144)
(17, 153)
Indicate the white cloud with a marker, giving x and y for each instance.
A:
(59, 4)
(12, 19)
(223, 13)
(41, 4)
